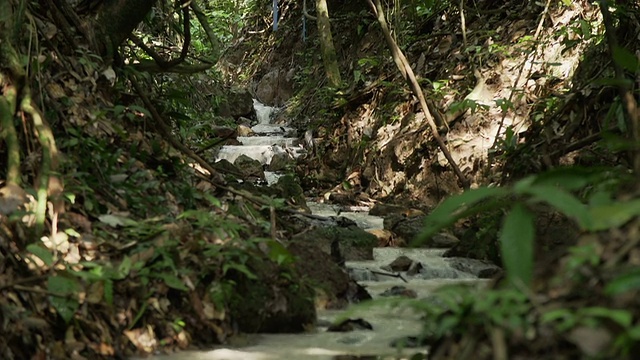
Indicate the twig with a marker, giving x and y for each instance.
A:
(407, 72)
(165, 131)
(41, 291)
(396, 275)
(23, 281)
(515, 84)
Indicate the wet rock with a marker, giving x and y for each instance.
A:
(280, 161)
(275, 87)
(473, 266)
(333, 287)
(415, 268)
(490, 273)
(292, 192)
(383, 210)
(264, 303)
(350, 325)
(401, 291)
(380, 209)
(442, 240)
(244, 130)
(406, 228)
(223, 132)
(227, 168)
(385, 237)
(401, 263)
(410, 342)
(251, 168)
(355, 243)
(240, 103)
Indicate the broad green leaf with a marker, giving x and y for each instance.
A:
(555, 315)
(115, 221)
(562, 200)
(108, 291)
(63, 302)
(516, 244)
(240, 268)
(624, 283)
(278, 253)
(612, 215)
(124, 268)
(42, 253)
(172, 281)
(622, 317)
(569, 178)
(451, 210)
(626, 59)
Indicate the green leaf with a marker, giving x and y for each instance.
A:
(42, 253)
(64, 288)
(624, 318)
(516, 244)
(626, 59)
(115, 221)
(451, 210)
(562, 200)
(624, 283)
(568, 178)
(612, 215)
(240, 268)
(124, 268)
(172, 281)
(108, 291)
(278, 253)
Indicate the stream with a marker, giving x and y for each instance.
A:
(389, 323)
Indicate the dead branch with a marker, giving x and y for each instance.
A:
(407, 73)
(165, 131)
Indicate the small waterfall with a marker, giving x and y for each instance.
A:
(263, 112)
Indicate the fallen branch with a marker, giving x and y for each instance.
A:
(165, 131)
(396, 275)
(407, 73)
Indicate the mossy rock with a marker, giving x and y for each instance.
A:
(277, 301)
(355, 243)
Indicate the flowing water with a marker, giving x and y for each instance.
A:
(389, 323)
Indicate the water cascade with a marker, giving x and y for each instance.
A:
(388, 323)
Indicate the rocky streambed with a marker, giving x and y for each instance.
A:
(349, 237)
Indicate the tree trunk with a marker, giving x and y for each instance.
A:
(115, 21)
(326, 45)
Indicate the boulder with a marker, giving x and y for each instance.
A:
(334, 289)
(280, 161)
(251, 168)
(479, 268)
(275, 87)
(353, 243)
(265, 303)
(240, 103)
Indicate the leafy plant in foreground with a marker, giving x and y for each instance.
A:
(558, 189)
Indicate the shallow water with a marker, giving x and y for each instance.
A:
(389, 323)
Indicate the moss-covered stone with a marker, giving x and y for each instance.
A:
(355, 243)
(278, 301)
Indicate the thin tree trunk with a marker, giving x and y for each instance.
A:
(327, 49)
(405, 68)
